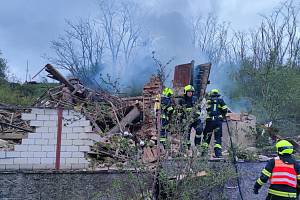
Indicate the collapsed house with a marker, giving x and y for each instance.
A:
(73, 127)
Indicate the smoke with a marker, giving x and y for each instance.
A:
(221, 77)
(167, 27)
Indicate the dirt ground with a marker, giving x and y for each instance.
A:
(248, 173)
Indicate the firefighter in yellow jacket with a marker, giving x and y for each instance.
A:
(283, 172)
(167, 109)
(216, 111)
(190, 109)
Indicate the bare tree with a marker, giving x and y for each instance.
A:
(239, 48)
(269, 55)
(275, 42)
(210, 37)
(162, 69)
(80, 50)
(122, 32)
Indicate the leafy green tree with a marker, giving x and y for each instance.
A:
(3, 67)
(272, 91)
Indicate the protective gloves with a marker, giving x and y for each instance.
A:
(255, 190)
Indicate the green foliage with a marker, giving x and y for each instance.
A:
(194, 178)
(3, 68)
(273, 92)
(262, 140)
(18, 94)
(245, 154)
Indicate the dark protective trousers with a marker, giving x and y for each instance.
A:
(198, 126)
(164, 128)
(274, 197)
(216, 126)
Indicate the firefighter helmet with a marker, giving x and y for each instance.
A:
(168, 92)
(188, 88)
(284, 147)
(214, 91)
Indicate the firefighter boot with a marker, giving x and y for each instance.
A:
(204, 149)
(218, 151)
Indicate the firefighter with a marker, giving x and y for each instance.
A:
(188, 104)
(216, 111)
(283, 172)
(167, 109)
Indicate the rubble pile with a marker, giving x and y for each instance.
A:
(123, 123)
(12, 127)
(127, 126)
(150, 97)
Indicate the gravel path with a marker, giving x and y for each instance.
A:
(248, 173)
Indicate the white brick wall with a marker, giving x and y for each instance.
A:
(12, 166)
(20, 160)
(13, 154)
(43, 129)
(38, 151)
(53, 117)
(69, 148)
(84, 148)
(6, 161)
(41, 141)
(71, 136)
(21, 147)
(66, 129)
(66, 154)
(34, 148)
(42, 117)
(34, 135)
(78, 129)
(37, 111)
(48, 160)
(48, 148)
(27, 141)
(62, 161)
(53, 130)
(34, 160)
(52, 141)
(2, 154)
(66, 142)
(77, 155)
(27, 154)
(28, 116)
(36, 123)
(48, 135)
(50, 112)
(50, 123)
(72, 160)
(51, 154)
(39, 154)
(88, 129)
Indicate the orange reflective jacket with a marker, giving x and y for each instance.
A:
(283, 174)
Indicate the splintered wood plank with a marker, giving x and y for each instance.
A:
(12, 136)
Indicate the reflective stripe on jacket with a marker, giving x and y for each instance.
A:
(283, 174)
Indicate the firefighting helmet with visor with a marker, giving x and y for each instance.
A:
(188, 88)
(167, 92)
(284, 147)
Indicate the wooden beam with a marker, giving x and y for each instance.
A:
(132, 115)
(20, 128)
(58, 76)
(12, 136)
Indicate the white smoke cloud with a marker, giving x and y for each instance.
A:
(27, 27)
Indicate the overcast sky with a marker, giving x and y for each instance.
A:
(28, 26)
